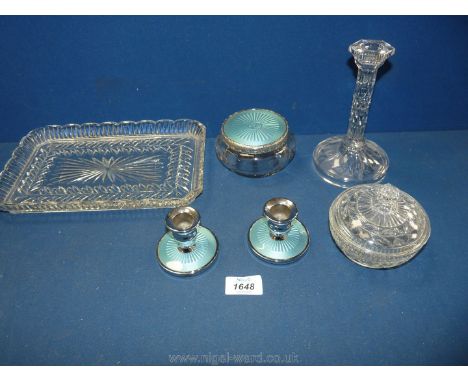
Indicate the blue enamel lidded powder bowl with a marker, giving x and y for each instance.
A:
(255, 143)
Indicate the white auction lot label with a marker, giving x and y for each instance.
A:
(244, 286)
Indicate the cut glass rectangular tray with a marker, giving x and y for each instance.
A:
(107, 166)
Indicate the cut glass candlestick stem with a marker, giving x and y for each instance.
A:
(351, 159)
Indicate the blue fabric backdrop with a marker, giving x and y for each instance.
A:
(57, 70)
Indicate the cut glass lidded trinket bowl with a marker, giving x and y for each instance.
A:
(107, 166)
(378, 225)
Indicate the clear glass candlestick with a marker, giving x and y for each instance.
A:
(351, 159)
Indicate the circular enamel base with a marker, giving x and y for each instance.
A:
(191, 262)
(291, 248)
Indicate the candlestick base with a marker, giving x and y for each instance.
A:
(186, 248)
(187, 261)
(278, 237)
(281, 249)
(345, 163)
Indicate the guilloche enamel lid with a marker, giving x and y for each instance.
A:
(255, 131)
